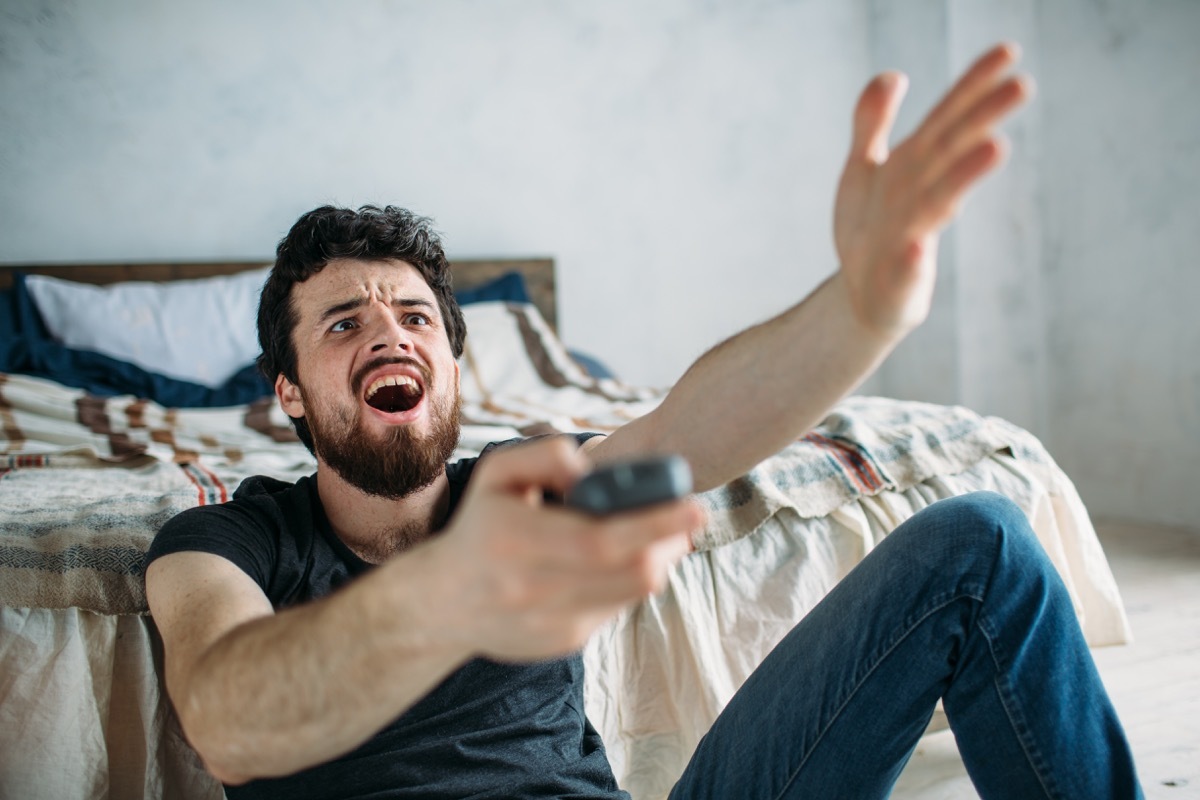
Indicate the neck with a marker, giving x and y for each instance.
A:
(376, 528)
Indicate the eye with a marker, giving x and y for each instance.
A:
(415, 318)
(343, 325)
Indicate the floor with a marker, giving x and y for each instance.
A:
(1154, 682)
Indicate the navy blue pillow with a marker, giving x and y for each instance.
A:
(591, 365)
(509, 288)
(27, 348)
(9, 330)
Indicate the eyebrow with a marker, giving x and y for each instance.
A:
(359, 302)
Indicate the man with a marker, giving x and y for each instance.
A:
(384, 629)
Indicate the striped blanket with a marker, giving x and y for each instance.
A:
(85, 482)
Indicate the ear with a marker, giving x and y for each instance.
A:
(290, 398)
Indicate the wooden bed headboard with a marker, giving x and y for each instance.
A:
(467, 272)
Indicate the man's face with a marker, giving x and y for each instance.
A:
(378, 384)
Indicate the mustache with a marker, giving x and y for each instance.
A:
(360, 375)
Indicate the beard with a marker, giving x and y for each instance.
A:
(395, 466)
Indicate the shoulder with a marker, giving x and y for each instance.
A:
(247, 530)
(258, 502)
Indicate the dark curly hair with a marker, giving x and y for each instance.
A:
(327, 233)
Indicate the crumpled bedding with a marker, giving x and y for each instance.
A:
(662, 671)
(85, 482)
(82, 711)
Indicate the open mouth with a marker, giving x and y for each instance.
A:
(394, 393)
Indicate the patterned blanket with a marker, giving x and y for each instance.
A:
(74, 526)
(86, 482)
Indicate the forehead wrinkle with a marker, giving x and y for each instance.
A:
(342, 308)
(359, 302)
(414, 302)
(368, 283)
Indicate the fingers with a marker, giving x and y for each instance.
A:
(991, 107)
(623, 539)
(597, 566)
(970, 88)
(531, 536)
(554, 558)
(554, 464)
(879, 103)
(559, 538)
(875, 115)
(549, 576)
(944, 196)
(976, 125)
(539, 577)
(958, 143)
(969, 149)
(642, 577)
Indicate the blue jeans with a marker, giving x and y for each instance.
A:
(959, 603)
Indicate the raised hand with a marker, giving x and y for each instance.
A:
(891, 207)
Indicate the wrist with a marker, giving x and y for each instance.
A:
(861, 316)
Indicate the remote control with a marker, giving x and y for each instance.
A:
(627, 485)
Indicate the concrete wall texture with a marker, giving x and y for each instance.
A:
(678, 160)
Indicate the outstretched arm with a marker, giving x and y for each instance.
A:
(264, 694)
(758, 391)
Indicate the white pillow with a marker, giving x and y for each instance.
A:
(199, 330)
(517, 372)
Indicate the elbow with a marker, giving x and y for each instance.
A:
(226, 778)
(224, 755)
(222, 761)
(218, 759)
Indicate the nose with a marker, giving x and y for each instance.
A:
(391, 336)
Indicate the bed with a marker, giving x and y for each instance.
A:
(98, 450)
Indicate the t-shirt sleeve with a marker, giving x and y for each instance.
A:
(239, 531)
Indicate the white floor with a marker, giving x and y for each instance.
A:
(1154, 682)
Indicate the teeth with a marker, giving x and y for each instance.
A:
(392, 380)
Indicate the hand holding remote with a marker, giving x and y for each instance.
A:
(627, 485)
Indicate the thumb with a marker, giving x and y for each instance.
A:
(875, 114)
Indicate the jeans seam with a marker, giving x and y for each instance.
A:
(937, 604)
(1012, 710)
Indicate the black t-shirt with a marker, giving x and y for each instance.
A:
(489, 730)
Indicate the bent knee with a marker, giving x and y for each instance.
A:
(962, 543)
(983, 510)
(980, 521)
(992, 522)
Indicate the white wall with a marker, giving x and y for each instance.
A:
(983, 345)
(1069, 295)
(678, 159)
(1120, 210)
